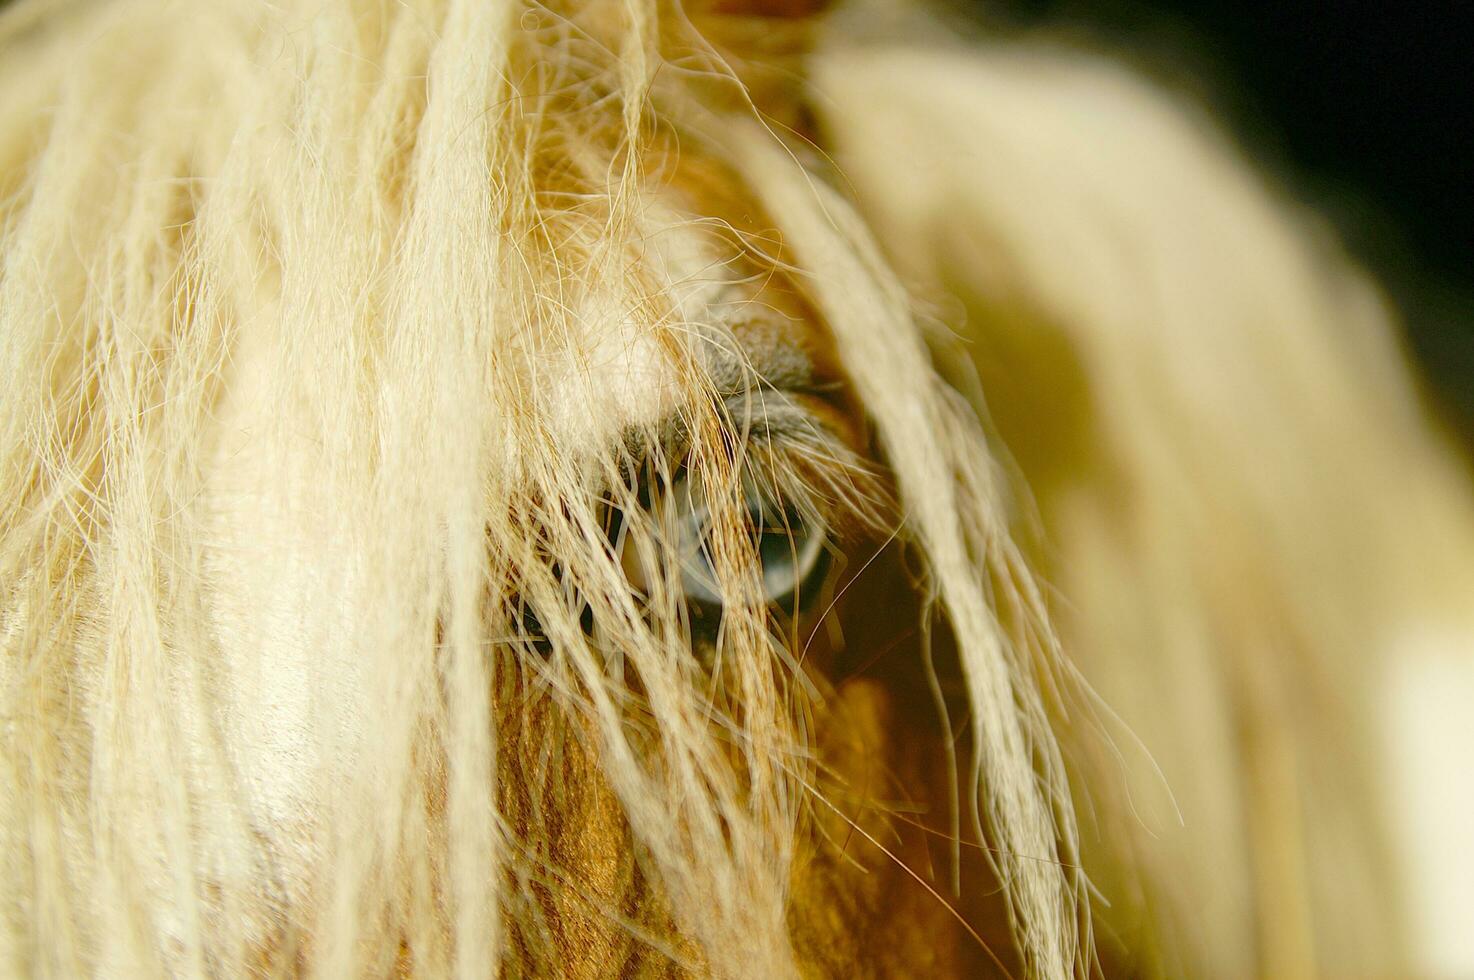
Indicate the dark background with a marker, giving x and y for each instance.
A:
(1360, 108)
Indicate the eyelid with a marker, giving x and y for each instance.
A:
(808, 408)
(773, 412)
(809, 448)
(844, 489)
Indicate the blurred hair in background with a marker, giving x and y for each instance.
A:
(1361, 109)
(1213, 512)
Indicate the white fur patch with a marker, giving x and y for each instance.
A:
(1431, 738)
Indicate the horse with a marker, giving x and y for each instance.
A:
(629, 488)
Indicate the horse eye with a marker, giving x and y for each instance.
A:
(790, 549)
(793, 556)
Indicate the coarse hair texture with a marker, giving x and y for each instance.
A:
(316, 330)
(404, 235)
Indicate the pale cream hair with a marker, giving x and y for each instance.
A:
(1259, 536)
(331, 332)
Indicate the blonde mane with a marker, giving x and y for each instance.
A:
(333, 334)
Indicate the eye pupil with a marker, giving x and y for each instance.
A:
(793, 558)
(775, 550)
